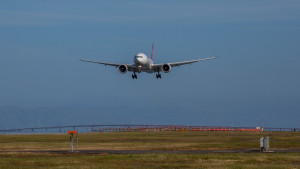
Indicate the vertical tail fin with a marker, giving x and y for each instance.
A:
(152, 51)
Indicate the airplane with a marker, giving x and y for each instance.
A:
(144, 64)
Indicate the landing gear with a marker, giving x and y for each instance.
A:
(158, 76)
(134, 76)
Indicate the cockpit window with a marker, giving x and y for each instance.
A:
(139, 56)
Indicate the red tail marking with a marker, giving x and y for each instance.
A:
(152, 51)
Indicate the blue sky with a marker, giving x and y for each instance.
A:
(256, 76)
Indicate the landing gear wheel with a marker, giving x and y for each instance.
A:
(158, 76)
(134, 76)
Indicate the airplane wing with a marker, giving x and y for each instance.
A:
(109, 64)
(103, 63)
(174, 64)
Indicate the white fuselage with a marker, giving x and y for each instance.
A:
(143, 63)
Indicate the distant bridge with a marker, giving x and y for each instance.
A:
(135, 127)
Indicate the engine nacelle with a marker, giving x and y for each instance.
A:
(166, 68)
(123, 69)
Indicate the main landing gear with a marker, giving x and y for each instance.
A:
(158, 76)
(134, 76)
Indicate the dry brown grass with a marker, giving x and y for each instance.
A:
(151, 141)
(134, 161)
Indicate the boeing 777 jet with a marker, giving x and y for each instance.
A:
(144, 64)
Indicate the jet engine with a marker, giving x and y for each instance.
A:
(123, 69)
(166, 68)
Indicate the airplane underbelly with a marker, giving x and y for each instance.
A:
(147, 68)
(148, 71)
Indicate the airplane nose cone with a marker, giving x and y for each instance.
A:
(140, 58)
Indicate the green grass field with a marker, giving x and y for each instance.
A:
(150, 141)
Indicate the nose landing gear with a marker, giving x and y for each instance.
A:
(158, 76)
(134, 76)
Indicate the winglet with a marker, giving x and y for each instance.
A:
(152, 51)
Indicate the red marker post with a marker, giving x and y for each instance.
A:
(71, 139)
